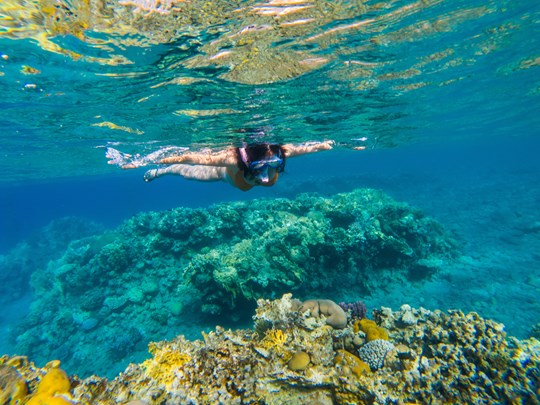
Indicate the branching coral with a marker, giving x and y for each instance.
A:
(166, 360)
(274, 339)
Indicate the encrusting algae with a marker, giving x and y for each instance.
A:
(316, 364)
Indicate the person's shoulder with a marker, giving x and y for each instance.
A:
(230, 156)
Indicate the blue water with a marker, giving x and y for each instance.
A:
(447, 96)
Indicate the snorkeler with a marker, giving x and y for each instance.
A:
(252, 165)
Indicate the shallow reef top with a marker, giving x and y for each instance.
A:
(294, 355)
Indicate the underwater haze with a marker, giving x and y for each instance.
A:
(433, 107)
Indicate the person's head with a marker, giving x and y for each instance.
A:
(261, 161)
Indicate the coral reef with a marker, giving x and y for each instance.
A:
(155, 273)
(315, 243)
(443, 358)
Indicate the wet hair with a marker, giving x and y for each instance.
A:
(259, 151)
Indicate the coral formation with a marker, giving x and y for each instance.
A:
(299, 361)
(12, 385)
(49, 386)
(124, 288)
(274, 339)
(348, 362)
(334, 314)
(471, 355)
(374, 352)
(165, 362)
(355, 310)
(51, 389)
(371, 330)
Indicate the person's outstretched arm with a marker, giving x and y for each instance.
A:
(223, 158)
(305, 148)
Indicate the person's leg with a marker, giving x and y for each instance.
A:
(200, 173)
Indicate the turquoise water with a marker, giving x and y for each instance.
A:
(444, 97)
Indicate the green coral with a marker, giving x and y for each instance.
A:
(314, 242)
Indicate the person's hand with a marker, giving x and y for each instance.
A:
(150, 175)
(327, 145)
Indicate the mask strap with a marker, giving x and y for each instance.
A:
(243, 155)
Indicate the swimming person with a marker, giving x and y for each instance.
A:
(245, 167)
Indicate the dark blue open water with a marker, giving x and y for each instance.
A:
(447, 95)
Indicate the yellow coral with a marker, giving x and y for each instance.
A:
(371, 329)
(55, 381)
(274, 339)
(51, 388)
(347, 360)
(13, 387)
(164, 363)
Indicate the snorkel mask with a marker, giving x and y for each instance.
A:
(259, 168)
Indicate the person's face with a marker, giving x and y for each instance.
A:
(265, 170)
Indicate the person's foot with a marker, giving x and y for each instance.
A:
(150, 175)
